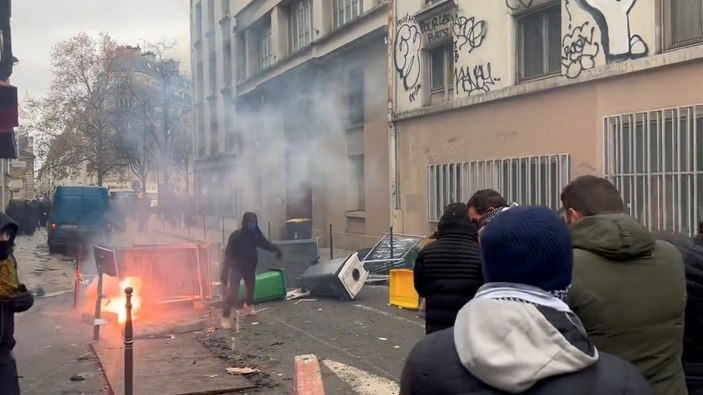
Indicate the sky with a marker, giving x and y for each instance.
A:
(37, 25)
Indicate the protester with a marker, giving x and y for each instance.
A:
(691, 249)
(517, 336)
(14, 298)
(629, 289)
(447, 272)
(240, 263)
(485, 204)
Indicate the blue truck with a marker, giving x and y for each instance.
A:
(78, 212)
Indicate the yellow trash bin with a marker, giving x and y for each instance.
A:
(402, 289)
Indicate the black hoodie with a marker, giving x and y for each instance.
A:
(242, 244)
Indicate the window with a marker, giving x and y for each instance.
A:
(300, 24)
(211, 14)
(683, 21)
(359, 187)
(200, 132)
(227, 54)
(265, 48)
(539, 39)
(212, 69)
(654, 159)
(441, 69)
(535, 180)
(125, 103)
(343, 11)
(200, 81)
(356, 97)
(240, 54)
(225, 8)
(198, 21)
(214, 141)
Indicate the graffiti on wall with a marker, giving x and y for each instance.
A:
(578, 50)
(515, 5)
(613, 19)
(477, 79)
(407, 47)
(468, 33)
(438, 27)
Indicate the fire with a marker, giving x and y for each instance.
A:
(117, 303)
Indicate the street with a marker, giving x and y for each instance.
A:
(361, 344)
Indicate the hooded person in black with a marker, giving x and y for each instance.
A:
(240, 263)
(14, 298)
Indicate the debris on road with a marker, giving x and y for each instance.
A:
(242, 371)
(306, 300)
(78, 377)
(296, 294)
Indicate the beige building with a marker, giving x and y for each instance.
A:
(524, 95)
(291, 114)
(21, 170)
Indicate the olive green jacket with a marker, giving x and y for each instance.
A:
(629, 290)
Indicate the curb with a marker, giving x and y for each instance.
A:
(307, 379)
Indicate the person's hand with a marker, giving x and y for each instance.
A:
(23, 300)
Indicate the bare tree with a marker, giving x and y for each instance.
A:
(77, 114)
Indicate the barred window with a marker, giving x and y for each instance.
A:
(536, 180)
(300, 24)
(344, 11)
(653, 158)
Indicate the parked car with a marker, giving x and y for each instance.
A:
(79, 214)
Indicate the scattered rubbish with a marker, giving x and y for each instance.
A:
(296, 294)
(306, 300)
(241, 371)
(78, 377)
(280, 375)
(382, 338)
(85, 357)
(320, 309)
(47, 346)
(255, 323)
(211, 376)
(277, 344)
(264, 309)
(100, 321)
(396, 346)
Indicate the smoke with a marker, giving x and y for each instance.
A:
(296, 139)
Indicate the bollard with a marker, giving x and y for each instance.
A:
(128, 345)
(77, 277)
(204, 228)
(98, 300)
(223, 230)
(269, 230)
(392, 252)
(331, 243)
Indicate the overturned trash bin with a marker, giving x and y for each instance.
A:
(269, 286)
(341, 277)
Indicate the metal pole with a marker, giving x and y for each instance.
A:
(331, 243)
(392, 252)
(223, 230)
(128, 346)
(98, 300)
(204, 228)
(269, 230)
(77, 277)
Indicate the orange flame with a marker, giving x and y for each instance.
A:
(117, 304)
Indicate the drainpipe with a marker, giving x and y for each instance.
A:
(394, 196)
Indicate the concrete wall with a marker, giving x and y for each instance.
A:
(565, 120)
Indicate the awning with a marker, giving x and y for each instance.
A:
(8, 144)
(9, 114)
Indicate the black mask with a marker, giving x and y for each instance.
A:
(5, 249)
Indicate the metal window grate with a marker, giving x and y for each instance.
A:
(655, 158)
(536, 180)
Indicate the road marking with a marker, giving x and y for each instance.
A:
(362, 382)
(328, 344)
(387, 314)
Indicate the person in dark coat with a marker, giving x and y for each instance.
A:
(14, 298)
(240, 263)
(691, 248)
(517, 336)
(447, 271)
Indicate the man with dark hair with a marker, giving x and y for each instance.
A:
(484, 204)
(517, 336)
(447, 272)
(629, 289)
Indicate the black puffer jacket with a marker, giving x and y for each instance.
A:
(448, 272)
(692, 251)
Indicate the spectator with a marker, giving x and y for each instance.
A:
(447, 271)
(485, 204)
(517, 336)
(14, 298)
(692, 250)
(629, 289)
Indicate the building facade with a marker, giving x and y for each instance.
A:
(21, 170)
(290, 116)
(524, 95)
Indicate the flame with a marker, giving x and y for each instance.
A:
(117, 303)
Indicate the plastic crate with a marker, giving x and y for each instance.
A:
(269, 286)
(402, 289)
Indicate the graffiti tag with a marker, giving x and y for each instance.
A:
(407, 47)
(613, 19)
(438, 27)
(468, 32)
(579, 50)
(477, 79)
(515, 5)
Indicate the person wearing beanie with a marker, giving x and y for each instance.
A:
(629, 289)
(447, 272)
(517, 336)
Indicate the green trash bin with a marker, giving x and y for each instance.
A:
(270, 285)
